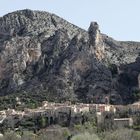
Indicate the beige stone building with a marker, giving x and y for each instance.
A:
(121, 122)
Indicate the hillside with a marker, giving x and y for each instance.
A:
(45, 57)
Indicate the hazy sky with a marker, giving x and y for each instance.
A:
(119, 19)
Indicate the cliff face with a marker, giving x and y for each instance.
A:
(41, 52)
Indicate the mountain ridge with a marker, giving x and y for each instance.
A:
(43, 54)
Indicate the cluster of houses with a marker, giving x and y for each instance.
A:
(51, 109)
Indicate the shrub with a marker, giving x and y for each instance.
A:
(120, 134)
(29, 136)
(136, 135)
(85, 136)
(11, 136)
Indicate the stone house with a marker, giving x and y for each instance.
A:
(123, 122)
(135, 107)
(81, 108)
(102, 108)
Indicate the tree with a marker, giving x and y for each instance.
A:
(42, 121)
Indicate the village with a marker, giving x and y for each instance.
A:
(58, 113)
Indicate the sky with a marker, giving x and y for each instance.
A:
(119, 19)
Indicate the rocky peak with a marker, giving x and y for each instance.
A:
(96, 41)
(28, 23)
(94, 33)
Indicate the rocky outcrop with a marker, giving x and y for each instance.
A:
(42, 53)
(95, 39)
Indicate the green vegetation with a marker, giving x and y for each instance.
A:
(86, 136)
(29, 100)
(42, 121)
(65, 134)
(113, 68)
(136, 95)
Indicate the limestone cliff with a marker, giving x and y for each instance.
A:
(41, 52)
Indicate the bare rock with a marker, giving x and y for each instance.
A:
(41, 52)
